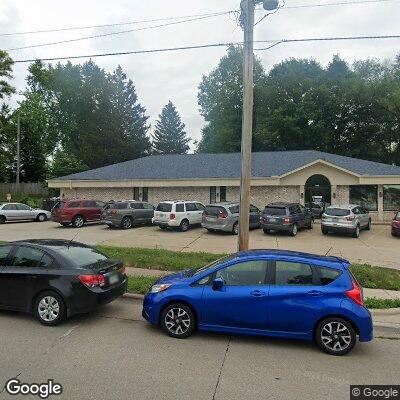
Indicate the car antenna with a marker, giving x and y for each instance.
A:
(330, 248)
(69, 243)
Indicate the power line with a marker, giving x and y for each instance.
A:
(342, 3)
(119, 32)
(204, 46)
(74, 28)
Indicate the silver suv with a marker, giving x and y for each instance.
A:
(345, 219)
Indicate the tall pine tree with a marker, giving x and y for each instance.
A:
(169, 134)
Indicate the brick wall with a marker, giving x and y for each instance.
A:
(342, 195)
(201, 194)
(104, 194)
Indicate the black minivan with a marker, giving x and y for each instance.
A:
(286, 217)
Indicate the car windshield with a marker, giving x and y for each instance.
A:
(164, 207)
(197, 271)
(81, 256)
(397, 217)
(275, 211)
(337, 212)
(119, 206)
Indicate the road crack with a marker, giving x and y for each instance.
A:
(222, 367)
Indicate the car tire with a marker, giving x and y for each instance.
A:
(163, 228)
(311, 224)
(294, 230)
(78, 221)
(184, 226)
(2, 219)
(49, 308)
(210, 230)
(356, 232)
(368, 227)
(266, 231)
(324, 230)
(127, 223)
(335, 336)
(64, 223)
(178, 320)
(235, 228)
(41, 218)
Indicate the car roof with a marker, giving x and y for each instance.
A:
(222, 204)
(291, 254)
(47, 242)
(282, 204)
(344, 206)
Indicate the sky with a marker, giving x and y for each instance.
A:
(175, 76)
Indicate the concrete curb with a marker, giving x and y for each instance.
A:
(135, 296)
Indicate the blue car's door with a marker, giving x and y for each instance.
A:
(296, 299)
(242, 300)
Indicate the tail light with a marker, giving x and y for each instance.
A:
(92, 280)
(223, 215)
(350, 218)
(287, 221)
(396, 223)
(172, 216)
(356, 294)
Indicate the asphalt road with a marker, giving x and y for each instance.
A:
(375, 247)
(114, 354)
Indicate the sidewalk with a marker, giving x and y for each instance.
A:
(368, 293)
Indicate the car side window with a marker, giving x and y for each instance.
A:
(248, 273)
(147, 206)
(191, 207)
(292, 273)
(180, 207)
(23, 207)
(74, 204)
(9, 207)
(200, 207)
(137, 206)
(89, 204)
(100, 204)
(328, 275)
(27, 257)
(254, 209)
(4, 251)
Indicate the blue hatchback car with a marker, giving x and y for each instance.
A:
(265, 292)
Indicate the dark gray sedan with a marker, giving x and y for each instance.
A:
(126, 214)
(225, 217)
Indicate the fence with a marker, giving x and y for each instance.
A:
(24, 188)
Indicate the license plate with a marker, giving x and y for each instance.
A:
(272, 220)
(113, 279)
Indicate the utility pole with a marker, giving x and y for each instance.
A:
(18, 151)
(247, 7)
(247, 20)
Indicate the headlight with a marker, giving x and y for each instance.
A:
(159, 288)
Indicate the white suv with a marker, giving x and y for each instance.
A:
(178, 214)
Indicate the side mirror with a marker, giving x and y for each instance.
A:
(217, 284)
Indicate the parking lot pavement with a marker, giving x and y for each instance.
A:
(114, 354)
(375, 247)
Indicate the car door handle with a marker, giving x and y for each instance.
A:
(315, 293)
(257, 293)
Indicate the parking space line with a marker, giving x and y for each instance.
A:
(222, 366)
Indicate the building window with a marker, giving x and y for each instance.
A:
(145, 194)
(391, 197)
(213, 194)
(222, 193)
(365, 196)
(136, 194)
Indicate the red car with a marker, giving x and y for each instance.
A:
(396, 225)
(77, 212)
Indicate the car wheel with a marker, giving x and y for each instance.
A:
(235, 228)
(41, 218)
(163, 228)
(210, 230)
(50, 309)
(178, 321)
(266, 231)
(2, 219)
(126, 223)
(324, 230)
(294, 230)
(369, 225)
(78, 221)
(311, 225)
(64, 223)
(335, 336)
(184, 226)
(356, 233)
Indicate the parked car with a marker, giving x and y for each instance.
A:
(126, 214)
(349, 219)
(396, 225)
(77, 212)
(316, 209)
(21, 212)
(178, 214)
(268, 293)
(286, 217)
(53, 279)
(225, 217)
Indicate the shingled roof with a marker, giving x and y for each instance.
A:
(227, 165)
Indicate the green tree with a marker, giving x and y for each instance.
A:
(169, 134)
(64, 164)
(6, 64)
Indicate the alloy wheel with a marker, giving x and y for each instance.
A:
(294, 230)
(48, 309)
(177, 321)
(184, 226)
(127, 223)
(41, 218)
(236, 229)
(335, 336)
(78, 222)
